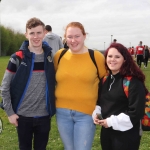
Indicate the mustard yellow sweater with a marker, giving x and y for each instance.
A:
(77, 81)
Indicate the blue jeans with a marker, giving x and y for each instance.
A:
(33, 128)
(76, 129)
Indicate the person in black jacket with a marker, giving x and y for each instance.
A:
(121, 115)
(28, 89)
(146, 56)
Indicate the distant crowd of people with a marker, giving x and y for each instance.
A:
(141, 53)
(81, 86)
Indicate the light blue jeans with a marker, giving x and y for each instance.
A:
(76, 129)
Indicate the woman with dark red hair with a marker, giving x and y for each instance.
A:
(121, 115)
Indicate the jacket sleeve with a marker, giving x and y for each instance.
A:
(136, 104)
(61, 45)
(136, 100)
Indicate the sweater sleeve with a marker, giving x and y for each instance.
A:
(8, 76)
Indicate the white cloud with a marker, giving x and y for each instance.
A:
(128, 21)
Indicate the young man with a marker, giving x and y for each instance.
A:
(28, 88)
(54, 41)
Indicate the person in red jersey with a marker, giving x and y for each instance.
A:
(139, 53)
(131, 51)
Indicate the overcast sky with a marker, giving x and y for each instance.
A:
(127, 20)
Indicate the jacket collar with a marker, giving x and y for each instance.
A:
(24, 47)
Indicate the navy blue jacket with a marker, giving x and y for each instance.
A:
(22, 77)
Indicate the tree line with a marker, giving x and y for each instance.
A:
(10, 41)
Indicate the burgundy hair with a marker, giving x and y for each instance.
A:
(129, 67)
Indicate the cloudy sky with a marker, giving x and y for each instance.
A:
(128, 21)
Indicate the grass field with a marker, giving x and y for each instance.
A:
(9, 141)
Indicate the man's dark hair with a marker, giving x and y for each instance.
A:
(48, 28)
(115, 40)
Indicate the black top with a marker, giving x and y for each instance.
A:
(113, 100)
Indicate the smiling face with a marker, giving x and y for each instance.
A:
(114, 60)
(35, 36)
(75, 39)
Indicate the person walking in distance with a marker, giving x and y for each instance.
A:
(53, 40)
(139, 54)
(131, 51)
(28, 89)
(114, 41)
(146, 56)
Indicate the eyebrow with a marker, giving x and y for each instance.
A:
(113, 55)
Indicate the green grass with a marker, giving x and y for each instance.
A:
(9, 140)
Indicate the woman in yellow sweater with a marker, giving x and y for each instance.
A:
(77, 89)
